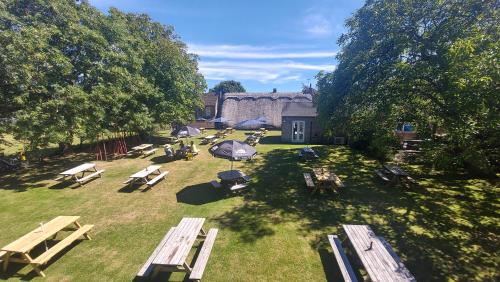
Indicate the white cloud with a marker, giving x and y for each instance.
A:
(264, 72)
(318, 25)
(255, 52)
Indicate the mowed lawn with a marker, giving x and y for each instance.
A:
(446, 229)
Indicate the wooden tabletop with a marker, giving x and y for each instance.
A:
(323, 174)
(231, 174)
(209, 137)
(37, 236)
(142, 146)
(396, 170)
(78, 169)
(145, 172)
(380, 264)
(177, 247)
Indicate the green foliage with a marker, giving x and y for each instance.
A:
(228, 86)
(433, 63)
(68, 70)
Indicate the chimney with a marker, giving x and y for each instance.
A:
(275, 90)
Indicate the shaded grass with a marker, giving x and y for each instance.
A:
(447, 229)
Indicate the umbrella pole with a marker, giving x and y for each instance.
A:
(231, 164)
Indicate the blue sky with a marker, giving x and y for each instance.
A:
(264, 44)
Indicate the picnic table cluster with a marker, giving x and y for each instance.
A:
(394, 175)
(19, 250)
(171, 254)
(325, 178)
(376, 255)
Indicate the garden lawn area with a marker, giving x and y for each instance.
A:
(446, 229)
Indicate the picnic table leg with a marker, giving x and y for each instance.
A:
(202, 234)
(187, 268)
(36, 267)
(6, 261)
(155, 271)
(86, 235)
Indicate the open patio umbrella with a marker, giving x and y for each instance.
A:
(250, 124)
(187, 131)
(232, 150)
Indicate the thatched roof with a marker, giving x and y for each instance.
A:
(238, 107)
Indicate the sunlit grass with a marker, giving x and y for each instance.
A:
(447, 229)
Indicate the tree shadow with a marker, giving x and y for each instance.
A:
(34, 176)
(200, 194)
(429, 227)
(270, 140)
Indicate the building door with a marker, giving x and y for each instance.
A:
(298, 129)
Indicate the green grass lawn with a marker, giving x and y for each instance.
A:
(447, 229)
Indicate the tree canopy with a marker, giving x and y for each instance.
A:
(432, 63)
(228, 86)
(66, 70)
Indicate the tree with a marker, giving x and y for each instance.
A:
(227, 86)
(424, 62)
(68, 70)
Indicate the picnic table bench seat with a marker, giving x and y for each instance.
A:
(215, 184)
(157, 178)
(54, 250)
(238, 186)
(308, 179)
(381, 174)
(147, 268)
(344, 265)
(90, 176)
(338, 182)
(202, 259)
(150, 152)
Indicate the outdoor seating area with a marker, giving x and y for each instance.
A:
(256, 211)
(307, 153)
(143, 149)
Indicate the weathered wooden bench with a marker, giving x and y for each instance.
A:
(202, 259)
(147, 268)
(309, 181)
(54, 250)
(381, 174)
(238, 186)
(150, 152)
(157, 178)
(344, 265)
(337, 181)
(90, 176)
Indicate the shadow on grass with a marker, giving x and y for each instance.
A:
(200, 194)
(34, 176)
(431, 227)
(14, 268)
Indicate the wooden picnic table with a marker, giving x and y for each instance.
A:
(143, 176)
(78, 173)
(376, 255)
(207, 139)
(19, 250)
(141, 148)
(171, 254)
(398, 174)
(326, 178)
